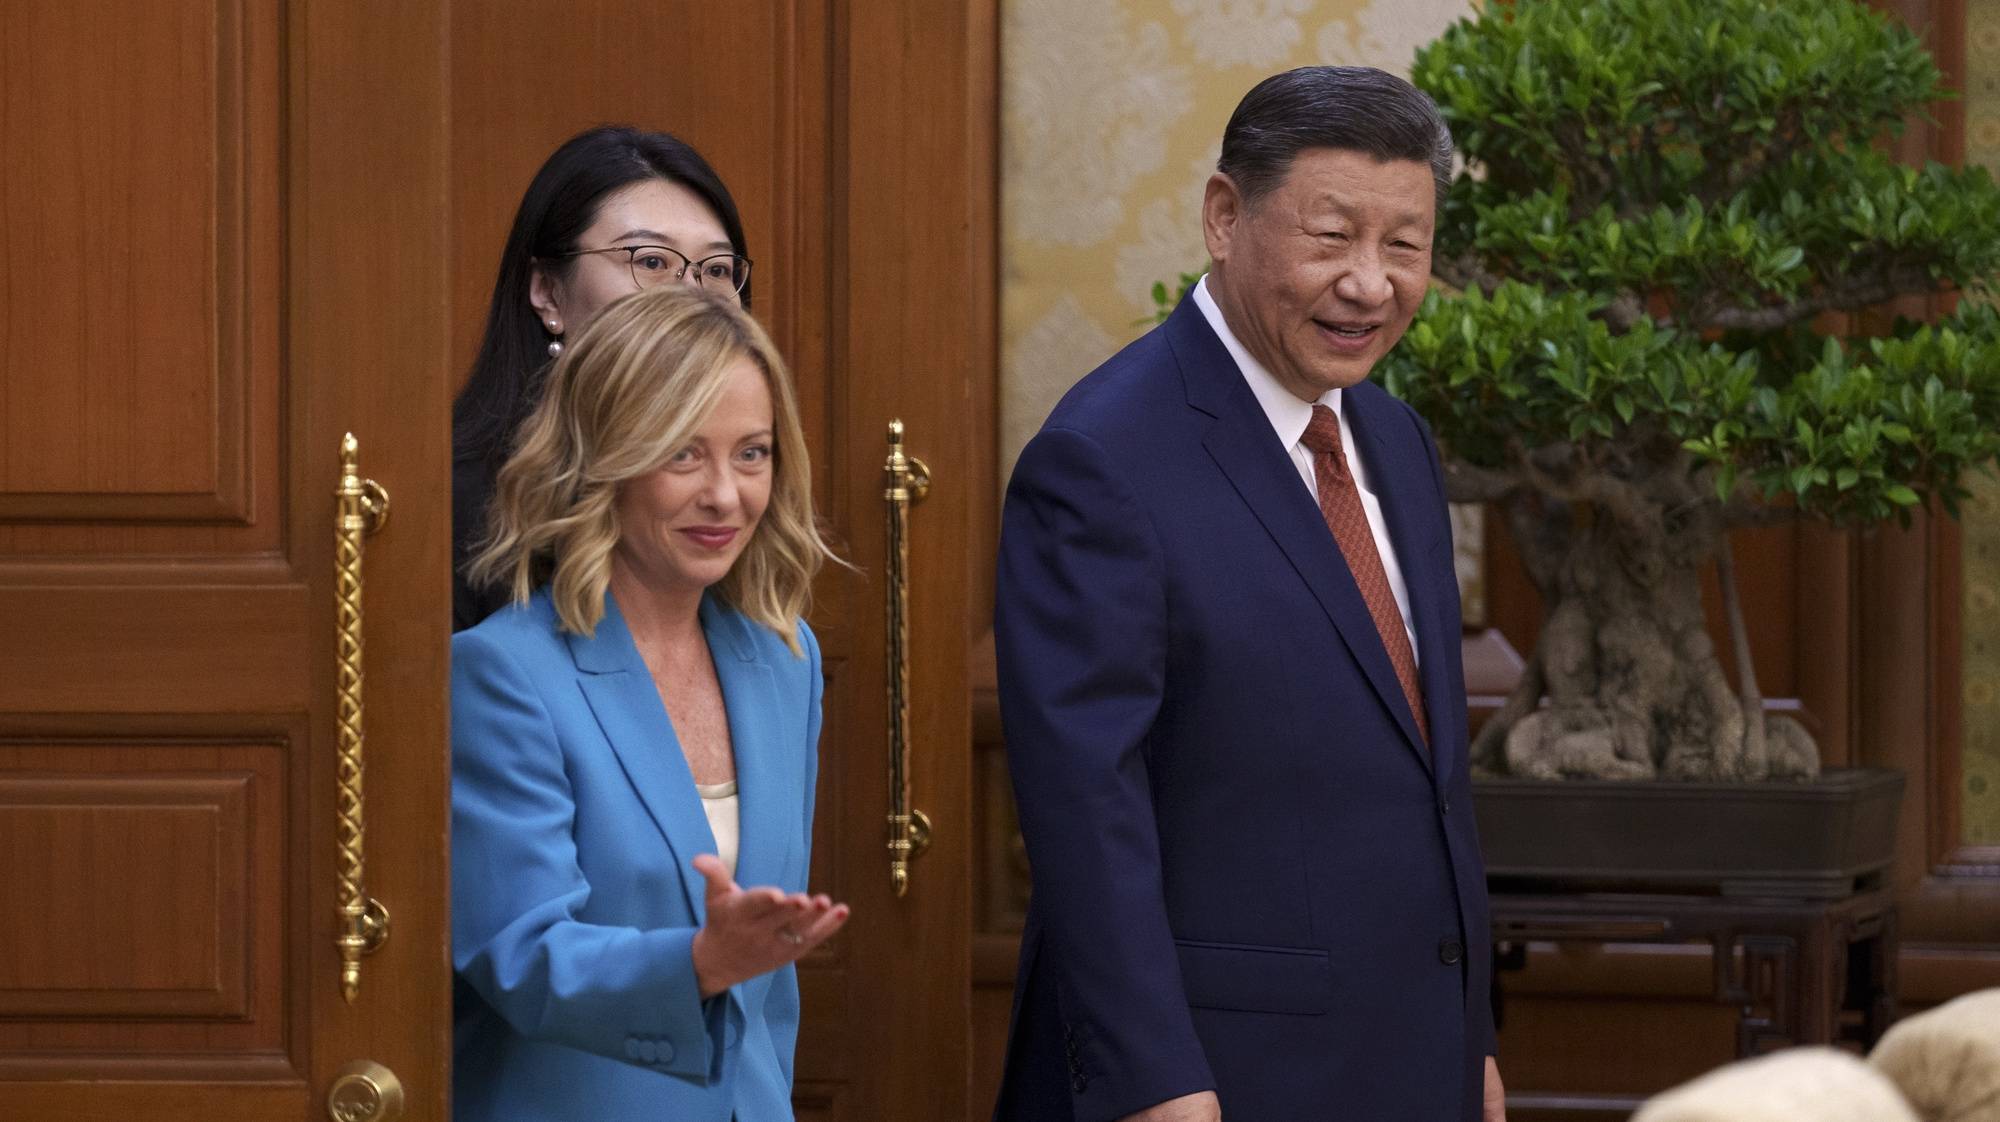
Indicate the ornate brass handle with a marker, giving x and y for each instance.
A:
(906, 481)
(363, 506)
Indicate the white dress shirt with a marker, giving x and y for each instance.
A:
(1289, 417)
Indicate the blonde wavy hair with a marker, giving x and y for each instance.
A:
(629, 392)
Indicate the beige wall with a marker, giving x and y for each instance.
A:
(1112, 115)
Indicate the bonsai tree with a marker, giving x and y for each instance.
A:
(1665, 203)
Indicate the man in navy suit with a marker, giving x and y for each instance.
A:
(1228, 636)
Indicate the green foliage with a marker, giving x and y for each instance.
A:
(1764, 244)
(1642, 102)
(1164, 302)
(1856, 435)
(1523, 369)
(1662, 198)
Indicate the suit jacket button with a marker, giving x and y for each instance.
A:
(1444, 806)
(1077, 1083)
(1450, 951)
(631, 1048)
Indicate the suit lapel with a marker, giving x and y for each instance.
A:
(621, 694)
(1394, 465)
(763, 786)
(1244, 447)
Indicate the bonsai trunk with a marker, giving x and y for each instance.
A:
(1632, 683)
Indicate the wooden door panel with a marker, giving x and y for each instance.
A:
(149, 649)
(99, 115)
(189, 326)
(144, 921)
(123, 1102)
(143, 901)
(80, 939)
(141, 272)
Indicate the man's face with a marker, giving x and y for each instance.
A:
(1321, 276)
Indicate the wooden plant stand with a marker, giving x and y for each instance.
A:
(1800, 971)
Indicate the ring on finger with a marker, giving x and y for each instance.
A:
(792, 937)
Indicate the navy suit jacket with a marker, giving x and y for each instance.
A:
(1250, 874)
(573, 907)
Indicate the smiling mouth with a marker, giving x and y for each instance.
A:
(1346, 331)
(711, 537)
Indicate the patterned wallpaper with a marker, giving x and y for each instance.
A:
(1981, 526)
(1112, 115)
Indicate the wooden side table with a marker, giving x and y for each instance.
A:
(1808, 971)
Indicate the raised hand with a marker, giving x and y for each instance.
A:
(752, 931)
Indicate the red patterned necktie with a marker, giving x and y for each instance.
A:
(1340, 505)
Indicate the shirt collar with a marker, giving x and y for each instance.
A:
(1288, 415)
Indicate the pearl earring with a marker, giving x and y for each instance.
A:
(555, 348)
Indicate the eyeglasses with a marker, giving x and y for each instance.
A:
(657, 264)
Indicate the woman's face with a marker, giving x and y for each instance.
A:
(683, 524)
(649, 212)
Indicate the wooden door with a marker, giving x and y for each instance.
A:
(222, 246)
(857, 139)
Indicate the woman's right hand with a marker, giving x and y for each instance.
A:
(752, 931)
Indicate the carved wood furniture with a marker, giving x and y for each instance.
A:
(1799, 971)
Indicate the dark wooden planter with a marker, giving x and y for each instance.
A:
(1820, 840)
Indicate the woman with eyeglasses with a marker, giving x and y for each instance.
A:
(614, 210)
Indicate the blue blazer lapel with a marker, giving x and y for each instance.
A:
(1404, 464)
(766, 784)
(1244, 447)
(622, 696)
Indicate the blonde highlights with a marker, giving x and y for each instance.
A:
(629, 392)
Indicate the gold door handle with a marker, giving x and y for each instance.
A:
(906, 481)
(362, 508)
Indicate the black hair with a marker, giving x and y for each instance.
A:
(1356, 108)
(560, 204)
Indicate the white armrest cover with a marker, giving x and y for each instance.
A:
(1947, 1060)
(1796, 1085)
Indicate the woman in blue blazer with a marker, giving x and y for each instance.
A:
(635, 737)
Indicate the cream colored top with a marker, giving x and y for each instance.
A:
(718, 801)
